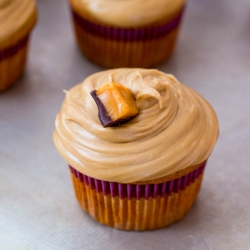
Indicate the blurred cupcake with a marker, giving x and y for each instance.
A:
(17, 19)
(145, 171)
(138, 33)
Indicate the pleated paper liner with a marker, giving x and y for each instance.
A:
(126, 47)
(13, 53)
(12, 62)
(137, 207)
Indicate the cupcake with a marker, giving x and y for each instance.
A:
(137, 33)
(137, 142)
(17, 19)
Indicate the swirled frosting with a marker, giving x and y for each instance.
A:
(175, 128)
(15, 16)
(127, 13)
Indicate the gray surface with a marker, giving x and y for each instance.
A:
(38, 209)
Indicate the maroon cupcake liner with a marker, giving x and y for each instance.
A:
(127, 34)
(113, 47)
(145, 191)
(134, 206)
(13, 50)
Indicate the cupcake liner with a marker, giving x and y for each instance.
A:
(126, 47)
(127, 34)
(12, 50)
(137, 207)
(12, 62)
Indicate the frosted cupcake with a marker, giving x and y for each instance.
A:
(145, 172)
(17, 19)
(130, 33)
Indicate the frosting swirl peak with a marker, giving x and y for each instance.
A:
(175, 128)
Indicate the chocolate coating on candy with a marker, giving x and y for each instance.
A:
(116, 104)
(102, 112)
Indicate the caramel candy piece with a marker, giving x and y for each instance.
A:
(116, 104)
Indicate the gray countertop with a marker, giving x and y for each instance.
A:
(38, 209)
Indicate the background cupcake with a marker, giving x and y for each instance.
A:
(146, 173)
(138, 33)
(17, 18)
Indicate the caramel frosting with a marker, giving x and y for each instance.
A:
(17, 17)
(128, 13)
(175, 129)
